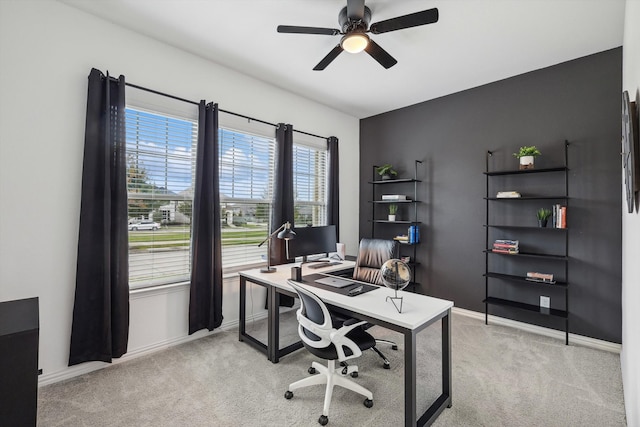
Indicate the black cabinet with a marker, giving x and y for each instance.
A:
(19, 330)
(519, 251)
(384, 228)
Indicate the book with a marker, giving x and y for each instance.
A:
(507, 194)
(507, 242)
(504, 245)
(539, 276)
(394, 197)
(533, 279)
(505, 251)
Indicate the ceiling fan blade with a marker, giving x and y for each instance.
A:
(355, 9)
(380, 55)
(329, 58)
(406, 21)
(307, 30)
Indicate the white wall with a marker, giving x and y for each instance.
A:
(630, 356)
(46, 51)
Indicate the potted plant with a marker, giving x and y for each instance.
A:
(393, 208)
(526, 156)
(386, 171)
(543, 216)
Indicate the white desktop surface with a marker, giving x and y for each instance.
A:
(417, 309)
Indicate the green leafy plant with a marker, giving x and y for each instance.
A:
(543, 214)
(393, 208)
(386, 170)
(527, 151)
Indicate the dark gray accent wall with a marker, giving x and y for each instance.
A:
(578, 101)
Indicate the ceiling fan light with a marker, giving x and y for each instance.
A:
(354, 43)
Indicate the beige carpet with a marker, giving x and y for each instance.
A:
(501, 377)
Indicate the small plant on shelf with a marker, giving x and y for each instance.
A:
(543, 215)
(386, 171)
(526, 156)
(527, 151)
(393, 209)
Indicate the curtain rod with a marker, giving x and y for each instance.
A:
(219, 109)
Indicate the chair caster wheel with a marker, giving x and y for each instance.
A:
(368, 403)
(323, 420)
(288, 394)
(394, 347)
(311, 370)
(387, 365)
(354, 375)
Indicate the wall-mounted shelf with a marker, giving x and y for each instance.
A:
(517, 288)
(398, 226)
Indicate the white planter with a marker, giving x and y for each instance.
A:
(392, 217)
(526, 162)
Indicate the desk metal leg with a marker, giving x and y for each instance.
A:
(445, 398)
(243, 308)
(274, 324)
(274, 330)
(446, 357)
(242, 329)
(410, 378)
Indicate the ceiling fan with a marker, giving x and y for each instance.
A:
(354, 25)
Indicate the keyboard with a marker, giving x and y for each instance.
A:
(324, 264)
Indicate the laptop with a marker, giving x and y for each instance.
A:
(335, 282)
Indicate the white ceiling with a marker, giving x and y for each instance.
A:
(475, 42)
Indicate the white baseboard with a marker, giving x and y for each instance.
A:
(85, 368)
(535, 329)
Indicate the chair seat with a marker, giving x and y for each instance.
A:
(364, 340)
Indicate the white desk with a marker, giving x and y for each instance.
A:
(418, 312)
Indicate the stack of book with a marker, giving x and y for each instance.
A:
(402, 238)
(504, 246)
(559, 218)
(540, 277)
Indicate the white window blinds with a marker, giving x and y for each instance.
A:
(310, 185)
(161, 153)
(246, 194)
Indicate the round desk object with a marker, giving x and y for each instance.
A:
(396, 275)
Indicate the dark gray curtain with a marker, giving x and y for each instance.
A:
(283, 191)
(283, 196)
(333, 202)
(205, 297)
(100, 328)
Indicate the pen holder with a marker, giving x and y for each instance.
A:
(296, 274)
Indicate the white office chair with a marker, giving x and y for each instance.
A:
(323, 340)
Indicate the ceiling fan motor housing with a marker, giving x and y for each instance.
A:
(348, 26)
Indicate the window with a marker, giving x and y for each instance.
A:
(247, 164)
(309, 185)
(161, 153)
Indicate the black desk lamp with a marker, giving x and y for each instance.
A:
(284, 232)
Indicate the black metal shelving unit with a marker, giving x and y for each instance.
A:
(376, 223)
(527, 257)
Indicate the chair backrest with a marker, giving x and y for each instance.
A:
(317, 332)
(371, 255)
(314, 318)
